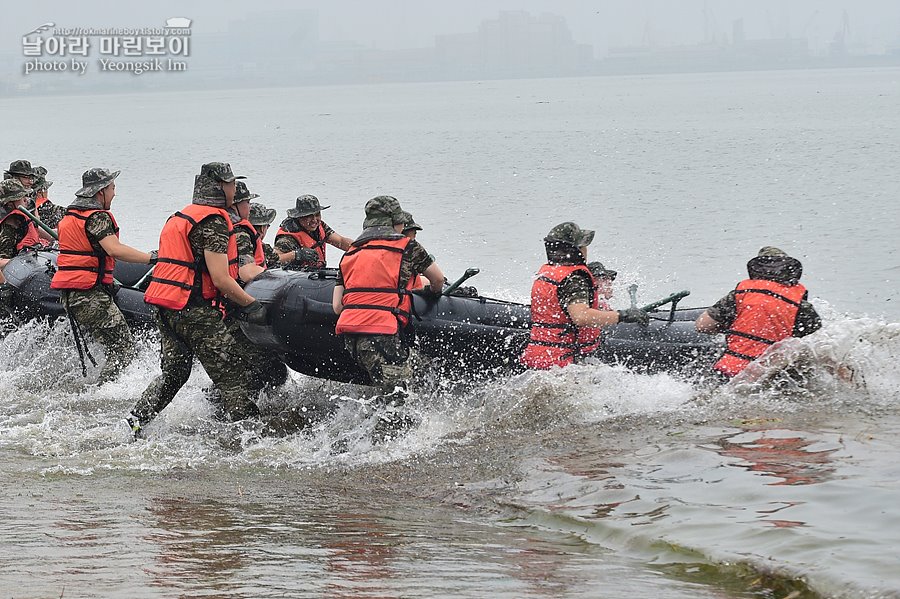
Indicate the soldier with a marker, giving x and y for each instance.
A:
(21, 171)
(88, 249)
(261, 218)
(17, 232)
(410, 226)
(197, 266)
(372, 314)
(49, 213)
(768, 306)
(263, 368)
(300, 241)
(563, 301)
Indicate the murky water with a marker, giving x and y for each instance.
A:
(589, 482)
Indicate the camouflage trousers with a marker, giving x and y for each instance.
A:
(197, 331)
(96, 314)
(384, 357)
(262, 367)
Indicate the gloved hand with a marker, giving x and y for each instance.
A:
(465, 291)
(154, 257)
(634, 315)
(303, 255)
(254, 313)
(428, 293)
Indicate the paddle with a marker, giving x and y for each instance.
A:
(470, 272)
(38, 222)
(675, 297)
(146, 276)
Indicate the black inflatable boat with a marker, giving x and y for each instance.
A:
(466, 337)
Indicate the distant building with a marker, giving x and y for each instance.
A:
(515, 44)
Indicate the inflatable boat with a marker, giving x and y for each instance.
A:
(458, 336)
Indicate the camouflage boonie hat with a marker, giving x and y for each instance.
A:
(94, 180)
(261, 216)
(571, 233)
(306, 205)
(242, 194)
(771, 252)
(601, 272)
(11, 190)
(409, 224)
(20, 168)
(218, 171)
(40, 179)
(382, 211)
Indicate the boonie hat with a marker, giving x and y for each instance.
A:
(218, 171)
(260, 215)
(95, 179)
(382, 211)
(306, 205)
(242, 194)
(571, 233)
(11, 190)
(20, 168)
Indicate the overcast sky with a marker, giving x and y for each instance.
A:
(414, 23)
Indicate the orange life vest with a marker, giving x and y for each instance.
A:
(31, 237)
(79, 265)
(374, 302)
(259, 255)
(589, 338)
(40, 201)
(178, 271)
(554, 337)
(306, 240)
(766, 313)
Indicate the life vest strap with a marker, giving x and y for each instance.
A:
(391, 290)
(740, 355)
(553, 325)
(77, 253)
(769, 293)
(749, 336)
(86, 268)
(184, 263)
(173, 283)
(392, 310)
(549, 280)
(373, 246)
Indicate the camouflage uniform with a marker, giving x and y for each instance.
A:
(260, 216)
(49, 213)
(262, 367)
(386, 357)
(286, 243)
(306, 205)
(775, 265)
(93, 309)
(15, 227)
(198, 329)
(272, 260)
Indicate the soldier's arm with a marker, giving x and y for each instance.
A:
(337, 299)
(217, 264)
(118, 250)
(339, 241)
(719, 317)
